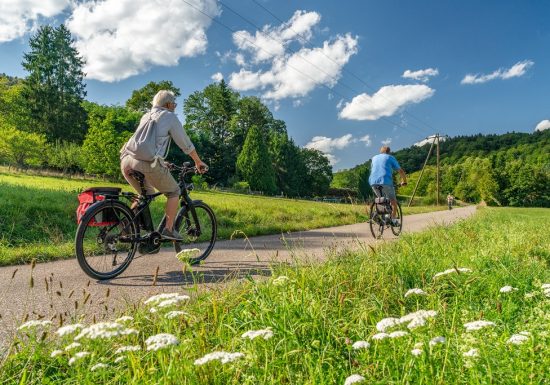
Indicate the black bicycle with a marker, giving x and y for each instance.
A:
(110, 232)
(380, 215)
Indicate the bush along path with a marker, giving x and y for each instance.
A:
(466, 304)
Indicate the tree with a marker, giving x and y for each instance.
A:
(54, 89)
(365, 191)
(21, 149)
(288, 165)
(254, 162)
(318, 171)
(141, 99)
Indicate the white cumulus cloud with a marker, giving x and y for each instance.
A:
(270, 41)
(17, 17)
(217, 77)
(385, 102)
(421, 75)
(517, 70)
(289, 73)
(328, 145)
(543, 125)
(366, 139)
(122, 38)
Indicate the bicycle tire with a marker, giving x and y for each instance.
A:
(94, 239)
(376, 223)
(209, 230)
(396, 230)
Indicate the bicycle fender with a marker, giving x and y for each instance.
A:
(197, 201)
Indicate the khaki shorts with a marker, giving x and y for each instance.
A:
(155, 178)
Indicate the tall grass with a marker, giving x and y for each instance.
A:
(38, 221)
(317, 312)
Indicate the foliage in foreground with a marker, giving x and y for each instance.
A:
(308, 320)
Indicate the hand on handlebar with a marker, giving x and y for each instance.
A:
(403, 184)
(201, 167)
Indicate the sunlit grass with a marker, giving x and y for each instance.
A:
(38, 221)
(317, 312)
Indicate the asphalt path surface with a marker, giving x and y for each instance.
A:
(60, 290)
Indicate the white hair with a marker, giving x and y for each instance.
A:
(163, 97)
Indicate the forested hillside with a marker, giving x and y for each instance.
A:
(512, 169)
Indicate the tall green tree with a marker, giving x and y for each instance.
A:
(318, 171)
(141, 100)
(254, 162)
(54, 89)
(288, 165)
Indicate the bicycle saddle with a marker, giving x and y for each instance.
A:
(137, 175)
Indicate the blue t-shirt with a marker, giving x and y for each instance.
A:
(382, 168)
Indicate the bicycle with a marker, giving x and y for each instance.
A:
(110, 231)
(380, 215)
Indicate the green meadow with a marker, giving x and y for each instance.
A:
(38, 220)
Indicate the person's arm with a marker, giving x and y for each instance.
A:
(180, 137)
(403, 176)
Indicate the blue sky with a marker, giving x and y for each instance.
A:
(345, 76)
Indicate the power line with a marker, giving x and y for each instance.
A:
(309, 62)
(372, 89)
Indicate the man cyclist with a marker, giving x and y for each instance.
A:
(381, 174)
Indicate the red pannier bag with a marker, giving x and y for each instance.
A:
(88, 197)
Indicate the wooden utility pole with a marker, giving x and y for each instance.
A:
(437, 172)
(423, 167)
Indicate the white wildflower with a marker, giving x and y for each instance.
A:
(264, 333)
(68, 329)
(547, 292)
(124, 318)
(380, 336)
(72, 346)
(104, 330)
(476, 325)
(157, 299)
(398, 334)
(98, 367)
(354, 379)
(280, 280)
(437, 340)
(360, 345)
(524, 333)
(161, 341)
(416, 352)
(56, 353)
(417, 318)
(175, 314)
(531, 294)
(471, 353)
(545, 286)
(387, 323)
(35, 325)
(415, 291)
(78, 356)
(507, 289)
(187, 254)
(119, 359)
(130, 348)
(518, 339)
(451, 271)
(223, 357)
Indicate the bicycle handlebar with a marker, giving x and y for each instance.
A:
(185, 167)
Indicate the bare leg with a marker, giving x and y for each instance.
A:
(393, 208)
(171, 210)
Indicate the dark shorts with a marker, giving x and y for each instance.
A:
(388, 190)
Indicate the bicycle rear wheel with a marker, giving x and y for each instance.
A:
(104, 239)
(201, 235)
(376, 222)
(396, 230)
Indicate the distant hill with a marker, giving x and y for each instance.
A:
(508, 169)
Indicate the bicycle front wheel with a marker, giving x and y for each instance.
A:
(376, 222)
(104, 242)
(197, 234)
(396, 229)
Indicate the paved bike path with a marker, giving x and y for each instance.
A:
(61, 289)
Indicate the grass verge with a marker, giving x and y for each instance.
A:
(38, 221)
(325, 320)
